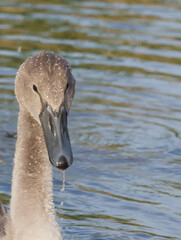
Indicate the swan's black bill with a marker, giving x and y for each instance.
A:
(56, 136)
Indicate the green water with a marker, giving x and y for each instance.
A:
(125, 121)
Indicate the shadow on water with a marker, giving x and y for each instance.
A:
(125, 120)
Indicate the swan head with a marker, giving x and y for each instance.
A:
(44, 86)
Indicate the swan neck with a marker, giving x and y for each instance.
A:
(31, 202)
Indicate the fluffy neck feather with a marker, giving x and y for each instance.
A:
(32, 213)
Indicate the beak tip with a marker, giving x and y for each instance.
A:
(62, 163)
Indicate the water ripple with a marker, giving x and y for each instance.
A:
(125, 121)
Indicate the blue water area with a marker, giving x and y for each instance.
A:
(125, 120)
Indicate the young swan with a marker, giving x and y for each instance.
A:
(44, 88)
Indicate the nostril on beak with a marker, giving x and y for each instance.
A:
(62, 163)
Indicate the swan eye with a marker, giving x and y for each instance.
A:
(35, 88)
(67, 87)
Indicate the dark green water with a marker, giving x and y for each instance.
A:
(125, 123)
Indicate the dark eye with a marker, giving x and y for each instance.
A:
(67, 87)
(35, 88)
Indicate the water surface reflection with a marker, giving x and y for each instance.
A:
(125, 120)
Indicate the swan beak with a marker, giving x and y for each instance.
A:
(56, 136)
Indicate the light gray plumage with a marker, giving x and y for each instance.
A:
(3, 219)
(44, 83)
